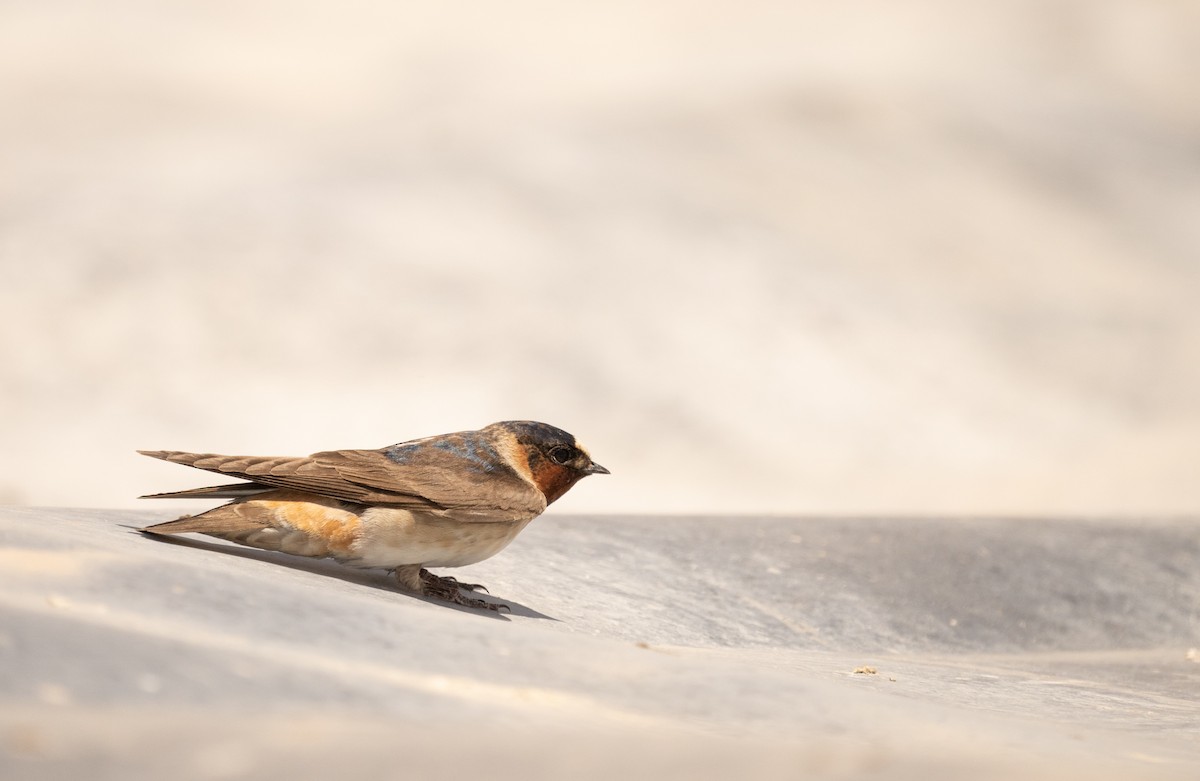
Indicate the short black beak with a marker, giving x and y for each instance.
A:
(595, 469)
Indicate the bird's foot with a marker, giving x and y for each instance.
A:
(451, 590)
(460, 584)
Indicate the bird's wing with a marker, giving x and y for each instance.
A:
(441, 481)
(231, 491)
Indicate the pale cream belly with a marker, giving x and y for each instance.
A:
(393, 538)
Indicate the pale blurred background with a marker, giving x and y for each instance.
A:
(858, 257)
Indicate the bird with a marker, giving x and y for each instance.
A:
(443, 501)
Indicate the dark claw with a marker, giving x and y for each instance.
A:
(467, 586)
(449, 589)
(495, 607)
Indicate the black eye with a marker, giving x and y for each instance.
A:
(562, 454)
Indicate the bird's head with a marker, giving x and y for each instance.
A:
(555, 459)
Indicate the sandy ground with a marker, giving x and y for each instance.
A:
(636, 647)
(760, 256)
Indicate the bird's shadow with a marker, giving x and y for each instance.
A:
(372, 578)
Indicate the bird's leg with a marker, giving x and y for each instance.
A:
(450, 590)
(409, 578)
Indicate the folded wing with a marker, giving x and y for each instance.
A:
(448, 484)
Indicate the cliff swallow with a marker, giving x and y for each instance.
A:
(443, 501)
